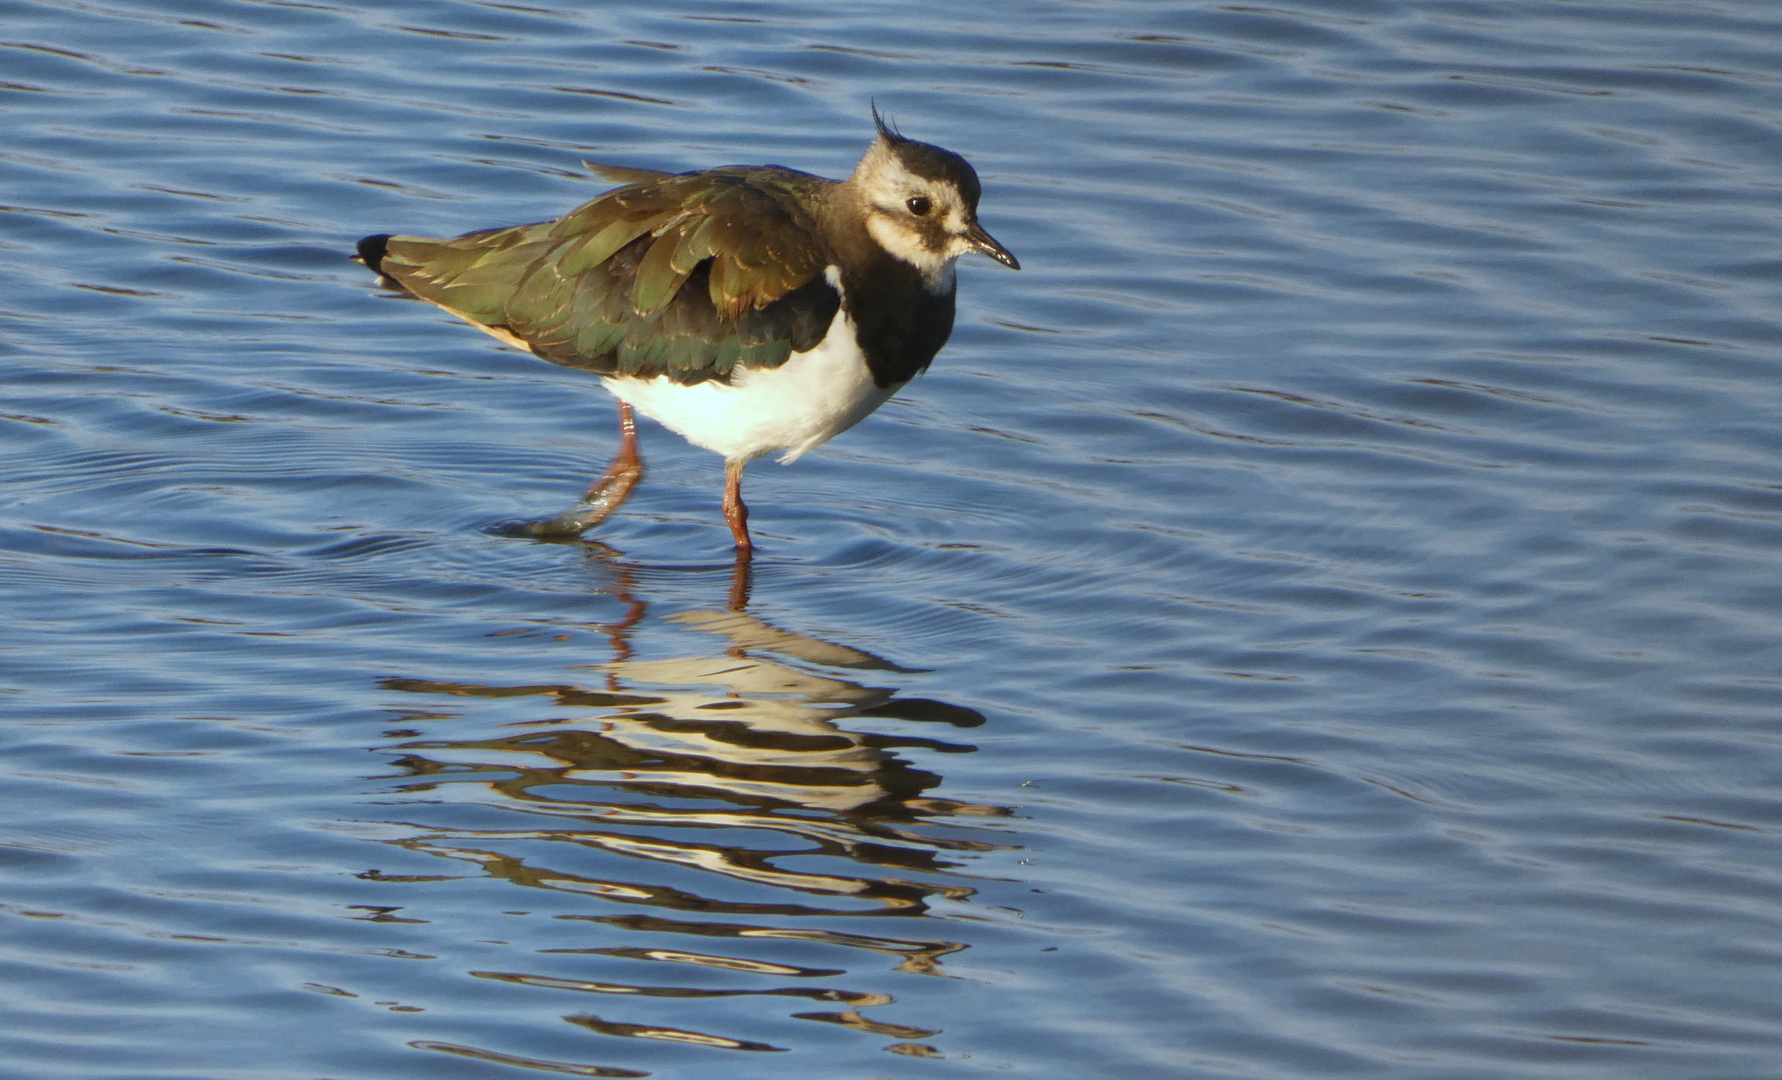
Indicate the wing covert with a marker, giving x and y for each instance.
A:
(688, 276)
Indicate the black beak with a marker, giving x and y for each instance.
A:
(983, 242)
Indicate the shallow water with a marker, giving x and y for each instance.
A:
(1318, 619)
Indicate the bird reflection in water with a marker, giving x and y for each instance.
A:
(686, 785)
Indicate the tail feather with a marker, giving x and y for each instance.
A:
(372, 250)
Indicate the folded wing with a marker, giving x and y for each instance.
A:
(689, 276)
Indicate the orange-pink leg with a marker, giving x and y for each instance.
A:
(606, 493)
(734, 510)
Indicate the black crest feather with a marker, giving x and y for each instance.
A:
(887, 132)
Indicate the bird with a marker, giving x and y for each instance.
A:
(752, 309)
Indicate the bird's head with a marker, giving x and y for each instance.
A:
(921, 204)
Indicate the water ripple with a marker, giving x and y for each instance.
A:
(1307, 623)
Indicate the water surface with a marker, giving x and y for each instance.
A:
(1318, 619)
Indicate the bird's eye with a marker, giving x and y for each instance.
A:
(919, 205)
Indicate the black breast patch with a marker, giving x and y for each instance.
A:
(899, 323)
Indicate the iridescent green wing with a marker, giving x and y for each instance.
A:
(688, 276)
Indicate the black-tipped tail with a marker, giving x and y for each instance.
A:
(372, 250)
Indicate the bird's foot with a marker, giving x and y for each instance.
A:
(595, 507)
(565, 526)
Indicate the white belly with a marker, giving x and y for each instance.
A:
(811, 398)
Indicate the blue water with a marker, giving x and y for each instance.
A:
(1318, 619)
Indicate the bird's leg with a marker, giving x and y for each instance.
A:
(739, 581)
(605, 495)
(734, 510)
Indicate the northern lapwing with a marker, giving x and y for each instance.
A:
(752, 309)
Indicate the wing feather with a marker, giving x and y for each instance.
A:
(688, 276)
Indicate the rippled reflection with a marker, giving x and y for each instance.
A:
(732, 781)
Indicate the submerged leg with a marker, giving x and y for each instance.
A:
(739, 581)
(734, 510)
(601, 499)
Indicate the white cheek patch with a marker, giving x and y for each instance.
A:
(897, 239)
(906, 245)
